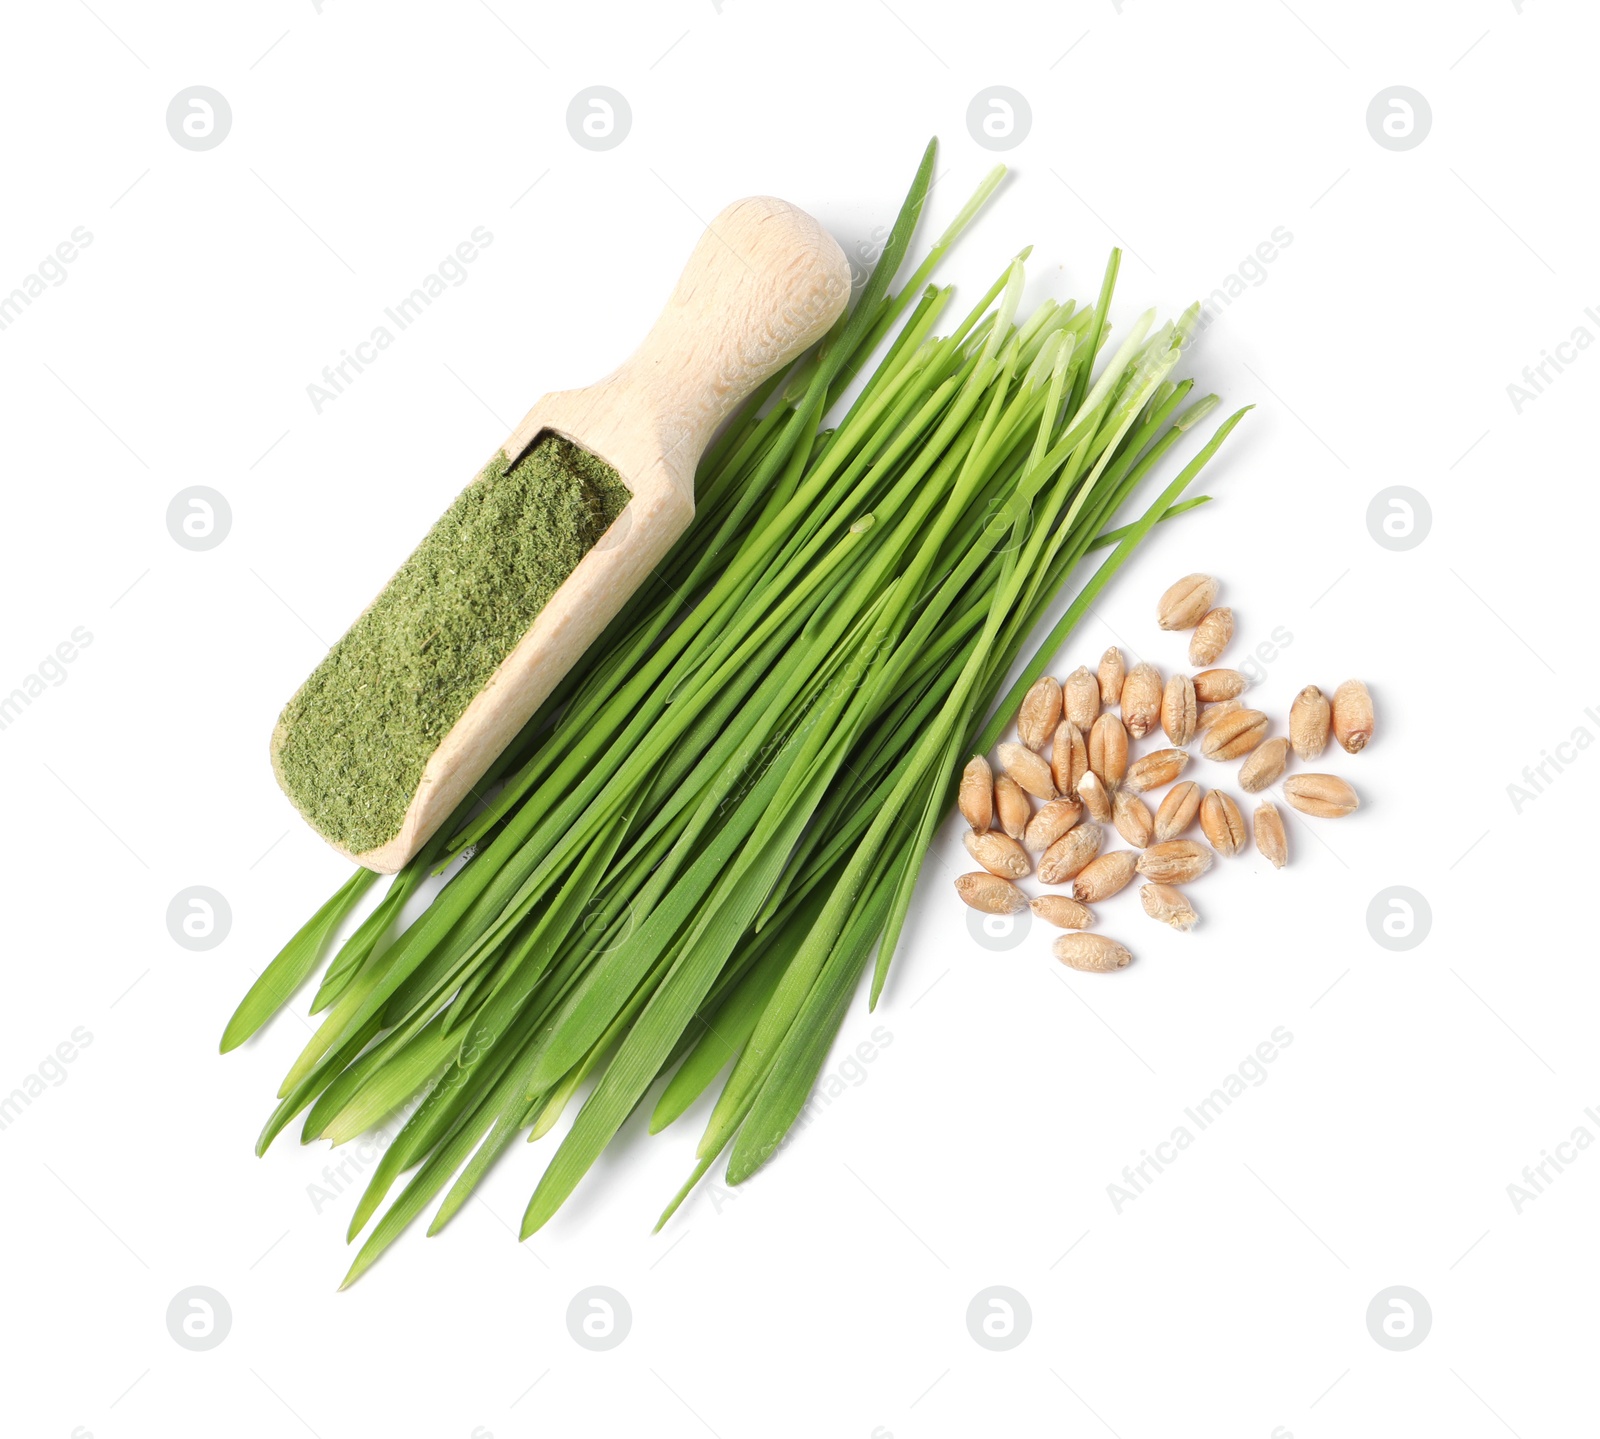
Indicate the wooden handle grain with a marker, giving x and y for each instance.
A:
(764, 283)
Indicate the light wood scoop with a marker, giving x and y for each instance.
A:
(764, 282)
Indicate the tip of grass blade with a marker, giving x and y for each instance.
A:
(541, 1208)
(292, 965)
(1196, 412)
(267, 995)
(979, 197)
(269, 1131)
(378, 1241)
(699, 1173)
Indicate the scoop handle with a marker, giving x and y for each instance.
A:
(765, 281)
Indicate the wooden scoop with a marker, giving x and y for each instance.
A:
(764, 282)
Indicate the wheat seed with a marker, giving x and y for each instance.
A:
(1185, 602)
(1234, 735)
(1155, 769)
(1132, 817)
(976, 796)
(1323, 796)
(1141, 700)
(1062, 912)
(1011, 806)
(1069, 854)
(1309, 717)
(1169, 905)
(1221, 823)
(1095, 797)
(1178, 709)
(1352, 716)
(1108, 750)
(1211, 686)
(990, 894)
(1105, 876)
(1069, 757)
(1111, 675)
(1094, 953)
(1176, 862)
(1029, 770)
(1040, 713)
(1053, 821)
(998, 853)
(1265, 766)
(1177, 811)
(1211, 637)
(1080, 696)
(1270, 837)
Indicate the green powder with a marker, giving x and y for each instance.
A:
(360, 731)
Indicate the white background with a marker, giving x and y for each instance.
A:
(829, 1296)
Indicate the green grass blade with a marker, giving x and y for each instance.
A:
(793, 1071)
(639, 1058)
(725, 1033)
(294, 962)
(499, 1139)
(429, 1180)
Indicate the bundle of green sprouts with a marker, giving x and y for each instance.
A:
(699, 843)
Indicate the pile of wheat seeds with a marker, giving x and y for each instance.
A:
(1074, 768)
